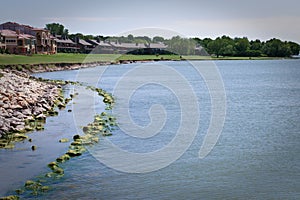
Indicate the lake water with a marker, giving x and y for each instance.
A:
(255, 157)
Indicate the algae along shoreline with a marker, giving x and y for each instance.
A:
(102, 125)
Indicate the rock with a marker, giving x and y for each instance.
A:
(18, 115)
(14, 122)
(44, 188)
(58, 170)
(52, 112)
(6, 106)
(11, 197)
(52, 165)
(64, 140)
(46, 106)
(26, 112)
(29, 183)
(63, 158)
(20, 136)
(38, 110)
(23, 104)
(73, 153)
(76, 137)
(1, 122)
(5, 99)
(16, 106)
(41, 117)
(20, 128)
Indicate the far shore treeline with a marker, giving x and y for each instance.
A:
(221, 46)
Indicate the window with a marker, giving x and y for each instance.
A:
(10, 41)
(20, 42)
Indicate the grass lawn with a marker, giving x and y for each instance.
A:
(87, 58)
(56, 58)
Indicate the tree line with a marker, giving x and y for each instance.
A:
(226, 46)
(221, 46)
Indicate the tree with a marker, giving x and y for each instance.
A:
(57, 29)
(158, 39)
(277, 48)
(295, 48)
(181, 46)
(217, 46)
(145, 38)
(77, 35)
(255, 45)
(204, 43)
(88, 37)
(228, 50)
(241, 46)
(130, 37)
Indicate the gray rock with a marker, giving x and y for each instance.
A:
(20, 127)
(38, 110)
(26, 112)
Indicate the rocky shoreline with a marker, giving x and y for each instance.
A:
(24, 102)
(49, 67)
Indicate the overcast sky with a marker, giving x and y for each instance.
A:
(262, 19)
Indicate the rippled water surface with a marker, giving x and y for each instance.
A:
(256, 156)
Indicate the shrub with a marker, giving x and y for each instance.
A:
(19, 67)
(6, 51)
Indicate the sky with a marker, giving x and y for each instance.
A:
(255, 19)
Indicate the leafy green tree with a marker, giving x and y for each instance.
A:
(242, 45)
(88, 37)
(204, 43)
(197, 40)
(57, 29)
(145, 38)
(76, 35)
(228, 50)
(277, 48)
(216, 47)
(158, 39)
(130, 37)
(255, 44)
(255, 48)
(139, 41)
(295, 48)
(181, 46)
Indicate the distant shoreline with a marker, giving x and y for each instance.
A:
(60, 62)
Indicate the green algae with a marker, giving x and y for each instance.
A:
(101, 126)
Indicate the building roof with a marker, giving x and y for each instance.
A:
(17, 27)
(157, 46)
(66, 41)
(129, 45)
(100, 43)
(8, 33)
(83, 42)
(40, 29)
(26, 36)
(16, 24)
